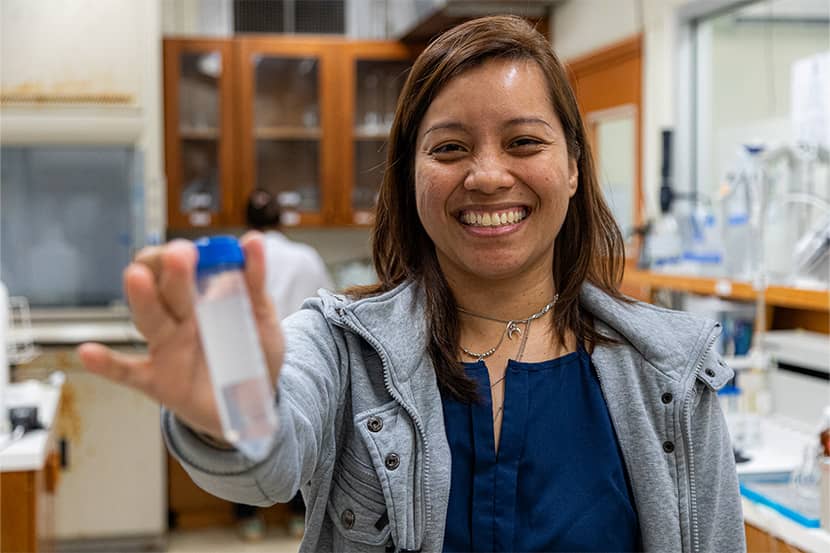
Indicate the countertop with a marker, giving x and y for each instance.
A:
(29, 452)
(781, 449)
(77, 332)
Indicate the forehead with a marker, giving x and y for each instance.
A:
(496, 87)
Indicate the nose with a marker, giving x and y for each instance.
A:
(488, 175)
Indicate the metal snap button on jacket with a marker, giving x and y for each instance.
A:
(392, 461)
(668, 447)
(710, 373)
(347, 518)
(374, 424)
(666, 398)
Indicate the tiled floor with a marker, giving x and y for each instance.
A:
(223, 540)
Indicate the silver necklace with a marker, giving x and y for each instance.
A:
(511, 328)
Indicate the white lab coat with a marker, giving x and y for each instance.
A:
(294, 272)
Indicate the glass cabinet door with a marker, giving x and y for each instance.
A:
(197, 133)
(287, 131)
(199, 129)
(285, 125)
(378, 84)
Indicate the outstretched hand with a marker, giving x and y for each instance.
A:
(161, 291)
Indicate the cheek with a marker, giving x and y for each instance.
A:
(430, 195)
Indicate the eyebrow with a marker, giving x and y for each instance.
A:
(516, 121)
(449, 125)
(529, 120)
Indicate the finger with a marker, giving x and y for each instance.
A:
(254, 250)
(264, 309)
(176, 284)
(131, 370)
(151, 317)
(151, 258)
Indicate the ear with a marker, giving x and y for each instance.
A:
(573, 176)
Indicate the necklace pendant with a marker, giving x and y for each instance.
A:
(513, 328)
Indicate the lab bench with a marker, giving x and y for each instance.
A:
(30, 473)
(780, 450)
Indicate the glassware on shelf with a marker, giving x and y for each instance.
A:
(199, 91)
(371, 116)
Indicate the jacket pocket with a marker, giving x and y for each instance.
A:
(356, 504)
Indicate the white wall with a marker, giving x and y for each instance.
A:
(746, 69)
(197, 17)
(71, 46)
(582, 26)
(91, 48)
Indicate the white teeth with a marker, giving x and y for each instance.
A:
(493, 219)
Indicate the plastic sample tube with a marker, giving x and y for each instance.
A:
(238, 372)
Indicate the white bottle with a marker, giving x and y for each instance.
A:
(239, 375)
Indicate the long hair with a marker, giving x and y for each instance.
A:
(589, 246)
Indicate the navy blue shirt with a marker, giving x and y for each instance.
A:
(558, 482)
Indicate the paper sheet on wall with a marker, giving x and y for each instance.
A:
(810, 98)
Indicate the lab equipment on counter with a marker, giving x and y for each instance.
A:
(4, 364)
(664, 244)
(241, 383)
(824, 467)
(740, 202)
(703, 253)
(776, 491)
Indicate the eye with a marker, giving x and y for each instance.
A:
(526, 143)
(448, 150)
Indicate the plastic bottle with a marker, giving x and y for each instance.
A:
(241, 383)
(704, 251)
(665, 244)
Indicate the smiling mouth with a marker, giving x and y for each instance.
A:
(500, 218)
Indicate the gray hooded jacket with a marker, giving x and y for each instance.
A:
(362, 430)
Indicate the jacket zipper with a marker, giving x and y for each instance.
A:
(687, 407)
(360, 331)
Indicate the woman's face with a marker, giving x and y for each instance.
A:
(492, 174)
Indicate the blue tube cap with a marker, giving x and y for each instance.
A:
(217, 252)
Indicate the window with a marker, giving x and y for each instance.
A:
(743, 64)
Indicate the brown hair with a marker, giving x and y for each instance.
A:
(589, 246)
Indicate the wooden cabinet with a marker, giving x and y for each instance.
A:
(786, 307)
(27, 497)
(759, 541)
(199, 135)
(372, 75)
(305, 118)
(288, 124)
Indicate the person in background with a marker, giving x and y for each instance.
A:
(294, 272)
(494, 391)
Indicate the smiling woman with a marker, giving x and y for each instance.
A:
(494, 391)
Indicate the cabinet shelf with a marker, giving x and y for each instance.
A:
(778, 296)
(288, 133)
(199, 133)
(363, 134)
